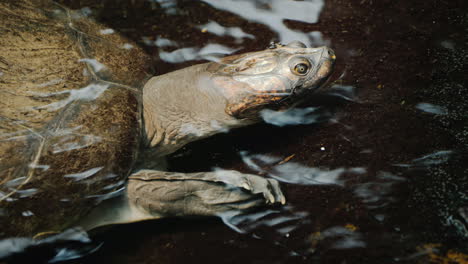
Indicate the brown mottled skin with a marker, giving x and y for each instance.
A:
(71, 130)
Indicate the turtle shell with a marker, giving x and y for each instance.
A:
(70, 115)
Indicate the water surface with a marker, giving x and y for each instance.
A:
(376, 173)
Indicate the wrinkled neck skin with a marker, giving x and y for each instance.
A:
(178, 108)
(181, 107)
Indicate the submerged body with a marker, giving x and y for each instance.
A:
(71, 135)
(208, 99)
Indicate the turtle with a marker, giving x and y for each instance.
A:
(85, 126)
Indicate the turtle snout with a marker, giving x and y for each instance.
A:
(324, 60)
(329, 53)
(321, 54)
(326, 65)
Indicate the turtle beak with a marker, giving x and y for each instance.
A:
(326, 64)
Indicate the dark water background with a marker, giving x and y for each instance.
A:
(393, 157)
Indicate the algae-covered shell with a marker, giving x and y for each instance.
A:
(70, 115)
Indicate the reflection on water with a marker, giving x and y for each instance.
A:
(88, 93)
(382, 178)
(293, 116)
(273, 13)
(433, 109)
(211, 52)
(76, 244)
(281, 221)
(293, 172)
(235, 32)
(435, 158)
(348, 238)
(379, 193)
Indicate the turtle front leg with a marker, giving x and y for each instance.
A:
(161, 193)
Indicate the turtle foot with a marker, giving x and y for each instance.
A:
(270, 188)
(162, 193)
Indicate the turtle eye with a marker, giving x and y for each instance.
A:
(301, 68)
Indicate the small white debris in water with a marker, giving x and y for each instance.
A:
(106, 31)
(322, 148)
(27, 213)
(127, 46)
(286, 235)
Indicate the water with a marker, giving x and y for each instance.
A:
(378, 176)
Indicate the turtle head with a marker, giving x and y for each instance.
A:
(274, 78)
(205, 99)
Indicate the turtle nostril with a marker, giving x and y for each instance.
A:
(331, 53)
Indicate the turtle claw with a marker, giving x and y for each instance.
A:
(254, 184)
(279, 196)
(246, 186)
(270, 188)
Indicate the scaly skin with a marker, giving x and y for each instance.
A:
(204, 100)
(208, 99)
